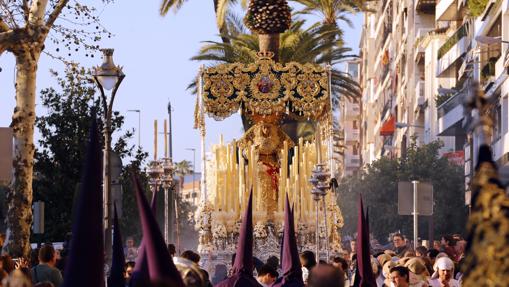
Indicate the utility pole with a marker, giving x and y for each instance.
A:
(415, 214)
(194, 173)
(171, 193)
(139, 124)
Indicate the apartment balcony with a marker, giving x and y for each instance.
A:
(419, 95)
(452, 50)
(352, 135)
(446, 10)
(450, 115)
(352, 111)
(419, 49)
(425, 6)
(352, 160)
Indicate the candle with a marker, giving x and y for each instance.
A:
(242, 182)
(281, 189)
(216, 171)
(155, 139)
(318, 145)
(235, 177)
(289, 181)
(254, 175)
(228, 180)
(225, 179)
(249, 176)
(166, 140)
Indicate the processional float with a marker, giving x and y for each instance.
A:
(266, 159)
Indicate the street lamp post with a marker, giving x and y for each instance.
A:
(171, 190)
(488, 40)
(194, 168)
(167, 184)
(320, 180)
(139, 124)
(107, 77)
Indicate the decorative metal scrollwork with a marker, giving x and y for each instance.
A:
(266, 87)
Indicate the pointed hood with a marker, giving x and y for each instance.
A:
(85, 266)
(364, 276)
(368, 232)
(290, 261)
(243, 266)
(159, 261)
(116, 278)
(140, 273)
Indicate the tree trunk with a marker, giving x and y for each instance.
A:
(269, 43)
(19, 196)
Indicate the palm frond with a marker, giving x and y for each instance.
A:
(221, 12)
(316, 44)
(168, 5)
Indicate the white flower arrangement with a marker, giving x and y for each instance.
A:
(236, 227)
(206, 248)
(302, 228)
(219, 231)
(335, 246)
(260, 231)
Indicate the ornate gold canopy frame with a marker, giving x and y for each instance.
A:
(266, 88)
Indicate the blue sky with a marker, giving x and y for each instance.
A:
(155, 53)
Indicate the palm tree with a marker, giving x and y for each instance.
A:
(311, 45)
(332, 10)
(183, 168)
(221, 8)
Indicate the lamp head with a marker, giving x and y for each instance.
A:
(107, 75)
(401, 125)
(487, 40)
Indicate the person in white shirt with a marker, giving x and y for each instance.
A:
(443, 276)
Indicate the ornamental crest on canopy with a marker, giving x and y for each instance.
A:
(266, 87)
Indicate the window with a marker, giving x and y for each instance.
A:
(504, 115)
(354, 124)
(497, 123)
(355, 149)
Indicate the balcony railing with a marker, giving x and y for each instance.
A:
(419, 94)
(450, 103)
(425, 5)
(458, 35)
(488, 70)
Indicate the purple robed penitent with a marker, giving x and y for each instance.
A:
(243, 266)
(290, 262)
(85, 265)
(160, 264)
(116, 278)
(364, 276)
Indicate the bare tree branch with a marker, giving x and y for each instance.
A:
(12, 18)
(6, 38)
(3, 26)
(56, 12)
(26, 10)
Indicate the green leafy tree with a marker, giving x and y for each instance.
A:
(476, 7)
(60, 156)
(378, 185)
(183, 168)
(26, 27)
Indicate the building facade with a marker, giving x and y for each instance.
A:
(419, 62)
(349, 123)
